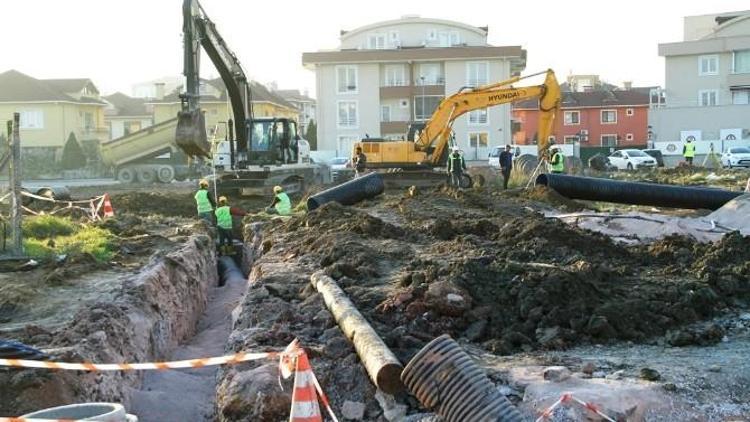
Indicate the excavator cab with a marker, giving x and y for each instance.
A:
(273, 140)
(191, 135)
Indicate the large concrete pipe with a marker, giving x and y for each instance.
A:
(229, 272)
(445, 380)
(349, 193)
(104, 412)
(636, 193)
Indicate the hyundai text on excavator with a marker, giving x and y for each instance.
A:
(411, 161)
(263, 152)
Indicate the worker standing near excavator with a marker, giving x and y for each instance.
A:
(506, 165)
(456, 167)
(204, 202)
(557, 164)
(224, 222)
(360, 162)
(281, 203)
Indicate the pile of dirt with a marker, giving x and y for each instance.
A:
(464, 265)
(550, 196)
(170, 204)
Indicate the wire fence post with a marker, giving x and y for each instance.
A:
(16, 211)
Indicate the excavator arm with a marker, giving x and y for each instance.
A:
(199, 31)
(436, 134)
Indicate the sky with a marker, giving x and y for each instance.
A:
(120, 43)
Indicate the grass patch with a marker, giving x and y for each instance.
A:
(46, 236)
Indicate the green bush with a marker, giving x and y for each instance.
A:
(72, 156)
(48, 226)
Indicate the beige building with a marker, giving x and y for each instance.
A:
(52, 109)
(125, 115)
(215, 104)
(386, 75)
(305, 106)
(707, 83)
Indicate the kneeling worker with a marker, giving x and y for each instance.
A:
(281, 204)
(224, 222)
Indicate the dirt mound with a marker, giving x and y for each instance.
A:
(146, 203)
(550, 196)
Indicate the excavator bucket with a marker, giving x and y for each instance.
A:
(191, 135)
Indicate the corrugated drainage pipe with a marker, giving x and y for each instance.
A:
(104, 412)
(445, 380)
(229, 272)
(636, 193)
(349, 193)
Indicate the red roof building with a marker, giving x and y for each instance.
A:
(607, 118)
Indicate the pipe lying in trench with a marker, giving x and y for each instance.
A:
(349, 193)
(636, 193)
(229, 272)
(446, 380)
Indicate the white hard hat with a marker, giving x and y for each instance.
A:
(454, 149)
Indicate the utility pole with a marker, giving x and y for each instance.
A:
(14, 140)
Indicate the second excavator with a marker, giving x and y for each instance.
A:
(411, 160)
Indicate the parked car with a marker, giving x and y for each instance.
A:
(736, 157)
(339, 163)
(341, 169)
(629, 159)
(657, 155)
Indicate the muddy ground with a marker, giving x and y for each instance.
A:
(487, 268)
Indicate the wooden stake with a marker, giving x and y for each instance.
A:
(16, 211)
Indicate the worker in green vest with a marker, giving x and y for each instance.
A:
(456, 167)
(688, 151)
(224, 222)
(204, 202)
(557, 164)
(281, 203)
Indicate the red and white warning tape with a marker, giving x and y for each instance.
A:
(293, 359)
(567, 399)
(93, 210)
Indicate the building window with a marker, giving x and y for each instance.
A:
(478, 117)
(629, 112)
(376, 42)
(385, 113)
(629, 137)
(429, 74)
(741, 61)
(444, 39)
(570, 139)
(432, 34)
(609, 116)
(346, 145)
(708, 65)
(347, 114)
(609, 140)
(708, 97)
(741, 97)
(477, 73)
(455, 38)
(32, 119)
(572, 117)
(424, 106)
(478, 139)
(395, 75)
(394, 39)
(346, 79)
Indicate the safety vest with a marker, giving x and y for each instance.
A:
(224, 217)
(455, 163)
(558, 163)
(201, 199)
(284, 206)
(689, 150)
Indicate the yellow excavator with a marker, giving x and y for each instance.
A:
(430, 148)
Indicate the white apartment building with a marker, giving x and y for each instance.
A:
(707, 84)
(389, 74)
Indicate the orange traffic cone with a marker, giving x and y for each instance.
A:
(108, 210)
(304, 398)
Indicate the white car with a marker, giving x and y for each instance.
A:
(339, 163)
(736, 157)
(629, 159)
(494, 157)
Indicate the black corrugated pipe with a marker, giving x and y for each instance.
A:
(445, 380)
(636, 193)
(349, 193)
(229, 272)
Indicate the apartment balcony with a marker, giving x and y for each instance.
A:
(738, 80)
(394, 127)
(408, 91)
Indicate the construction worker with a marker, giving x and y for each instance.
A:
(281, 203)
(360, 162)
(557, 164)
(224, 222)
(456, 167)
(204, 202)
(688, 151)
(506, 165)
